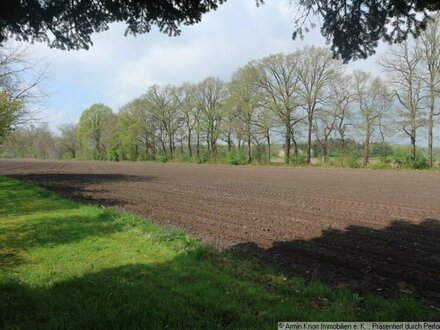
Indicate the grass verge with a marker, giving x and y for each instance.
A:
(68, 265)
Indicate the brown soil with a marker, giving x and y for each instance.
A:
(368, 230)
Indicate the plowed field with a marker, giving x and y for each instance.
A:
(368, 230)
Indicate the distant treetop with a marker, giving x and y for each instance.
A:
(353, 27)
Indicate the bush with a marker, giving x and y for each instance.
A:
(183, 157)
(113, 154)
(259, 154)
(420, 163)
(298, 160)
(203, 157)
(379, 166)
(236, 157)
(163, 158)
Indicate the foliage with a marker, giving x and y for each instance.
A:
(298, 160)
(355, 27)
(236, 157)
(93, 131)
(69, 24)
(68, 265)
(419, 163)
(9, 110)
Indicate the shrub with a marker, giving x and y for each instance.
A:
(420, 163)
(236, 157)
(298, 160)
(163, 158)
(203, 157)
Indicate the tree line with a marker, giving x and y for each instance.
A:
(305, 100)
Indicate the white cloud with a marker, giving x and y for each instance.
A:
(117, 68)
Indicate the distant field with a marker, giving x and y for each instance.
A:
(370, 231)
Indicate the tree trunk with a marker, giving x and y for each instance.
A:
(189, 143)
(164, 149)
(171, 145)
(249, 141)
(367, 148)
(384, 152)
(295, 144)
(413, 145)
(431, 123)
(198, 144)
(287, 146)
(324, 150)
(413, 134)
(324, 154)
(208, 143)
(268, 146)
(309, 138)
(229, 141)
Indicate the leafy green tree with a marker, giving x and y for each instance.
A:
(145, 126)
(9, 111)
(93, 131)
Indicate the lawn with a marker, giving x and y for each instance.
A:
(68, 265)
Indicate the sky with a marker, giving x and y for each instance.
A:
(118, 68)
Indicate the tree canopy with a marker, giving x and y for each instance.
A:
(68, 24)
(353, 27)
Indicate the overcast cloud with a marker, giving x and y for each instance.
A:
(117, 68)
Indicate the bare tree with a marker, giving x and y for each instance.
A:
(324, 124)
(279, 82)
(341, 98)
(165, 110)
(402, 65)
(211, 96)
(245, 99)
(370, 94)
(67, 140)
(430, 44)
(20, 87)
(31, 141)
(186, 99)
(316, 70)
(383, 106)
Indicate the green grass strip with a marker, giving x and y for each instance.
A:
(68, 265)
